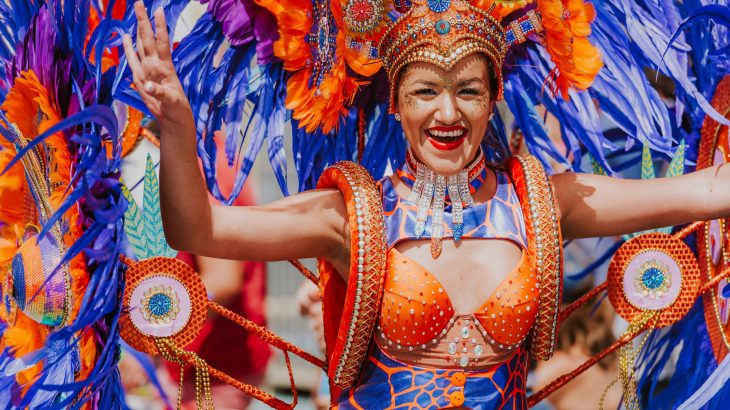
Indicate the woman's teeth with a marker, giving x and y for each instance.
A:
(446, 134)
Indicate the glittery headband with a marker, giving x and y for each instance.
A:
(441, 32)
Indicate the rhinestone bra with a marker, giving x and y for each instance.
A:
(417, 320)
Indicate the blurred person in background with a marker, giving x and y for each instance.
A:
(584, 334)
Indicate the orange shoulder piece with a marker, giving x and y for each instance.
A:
(351, 309)
(545, 247)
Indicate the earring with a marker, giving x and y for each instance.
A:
(397, 117)
(491, 116)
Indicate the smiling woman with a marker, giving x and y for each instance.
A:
(445, 113)
(439, 281)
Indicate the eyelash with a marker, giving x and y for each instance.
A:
(470, 91)
(428, 91)
(425, 91)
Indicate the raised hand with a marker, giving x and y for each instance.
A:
(152, 69)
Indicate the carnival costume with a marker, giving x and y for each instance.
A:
(82, 263)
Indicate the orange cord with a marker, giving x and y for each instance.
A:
(688, 230)
(564, 379)
(306, 272)
(265, 334)
(567, 310)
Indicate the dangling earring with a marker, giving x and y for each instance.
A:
(491, 116)
(397, 117)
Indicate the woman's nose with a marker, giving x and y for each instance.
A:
(447, 112)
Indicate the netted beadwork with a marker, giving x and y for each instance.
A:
(156, 278)
(643, 262)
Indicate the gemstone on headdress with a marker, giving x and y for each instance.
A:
(442, 27)
(439, 6)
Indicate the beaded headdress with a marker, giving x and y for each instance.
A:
(442, 32)
(334, 48)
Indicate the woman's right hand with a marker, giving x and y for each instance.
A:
(154, 74)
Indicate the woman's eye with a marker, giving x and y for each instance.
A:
(469, 91)
(424, 91)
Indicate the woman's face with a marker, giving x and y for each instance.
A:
(445, 113)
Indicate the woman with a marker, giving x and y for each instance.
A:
(462, 351)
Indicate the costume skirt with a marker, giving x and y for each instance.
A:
(386, 383)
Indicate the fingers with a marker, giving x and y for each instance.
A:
(163, 39)
(145, 36)
(132, 59)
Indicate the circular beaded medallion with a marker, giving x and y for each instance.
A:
(652, 280)
(363, 16)
(37, 286)
(160, 306)
(712, 245)
(163, 297)
(653, 272)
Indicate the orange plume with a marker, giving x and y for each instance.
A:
(567, 25)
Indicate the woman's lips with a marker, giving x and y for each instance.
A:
(446, 138)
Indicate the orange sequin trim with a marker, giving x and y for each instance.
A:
(542, 224)
(350, 310)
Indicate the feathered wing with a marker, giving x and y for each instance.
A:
(47, 70)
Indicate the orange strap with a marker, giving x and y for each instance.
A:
(545, 247)
(350, 309)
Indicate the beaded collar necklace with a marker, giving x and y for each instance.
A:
(429, 189)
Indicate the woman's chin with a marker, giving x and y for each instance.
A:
(445, 164)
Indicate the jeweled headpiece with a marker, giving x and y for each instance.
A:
(442, 32)
(333, 47)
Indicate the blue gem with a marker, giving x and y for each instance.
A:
(726, 291)
(653, 278)
(443, 27)
(458, 230)
(439, 6)
(160, 304)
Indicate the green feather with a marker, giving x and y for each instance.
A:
(134, 226)
(676, 167)
(152, 218)
(597, 168)
(647, 165)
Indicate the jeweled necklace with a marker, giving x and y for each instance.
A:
(430, 190)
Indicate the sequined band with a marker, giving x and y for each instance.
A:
(712, 248)
(544, 246)
(364, 290)
(518, 30)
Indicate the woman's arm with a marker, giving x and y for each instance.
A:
(594, 205)
(306, 225)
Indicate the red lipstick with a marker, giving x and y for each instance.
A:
(446, 143)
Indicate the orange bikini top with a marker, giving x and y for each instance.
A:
(417, 310)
